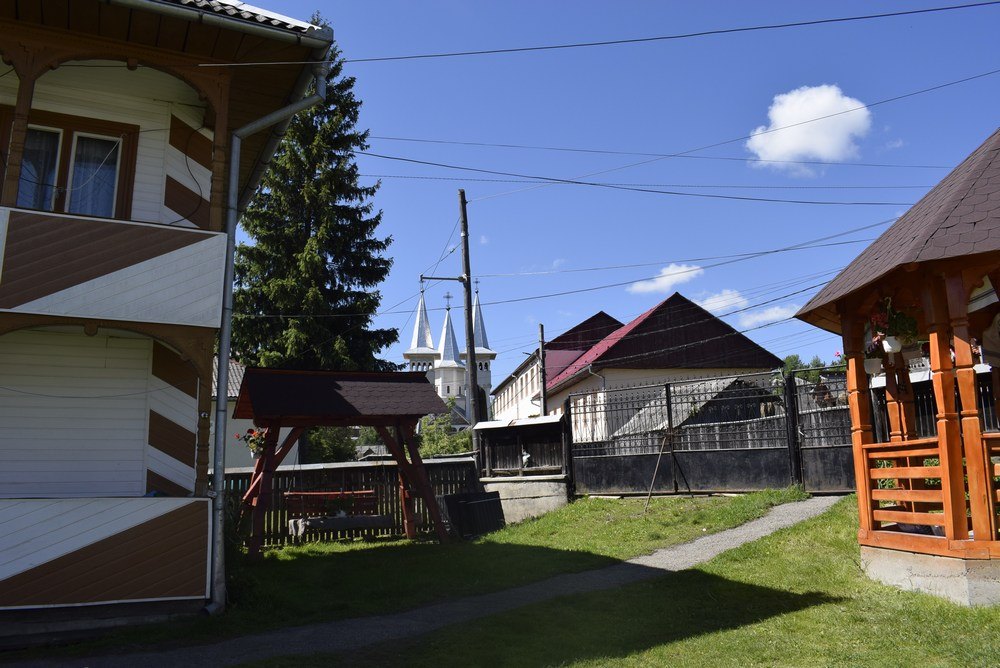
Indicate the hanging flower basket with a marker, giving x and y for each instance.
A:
(254, 440)
(892, 344)
(873, 366)
(888, 323)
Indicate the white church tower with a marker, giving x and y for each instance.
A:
(484, 354)
(422, 354)
(444, 365)
(449, 371)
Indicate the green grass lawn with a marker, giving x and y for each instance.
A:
(325, 581)
(796, 598)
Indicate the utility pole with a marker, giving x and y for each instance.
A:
(541, 367)
(472, 377)
(470, 341)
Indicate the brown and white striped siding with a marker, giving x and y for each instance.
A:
(54, 264)
(66, 552)
(188, 187)
(173, 424)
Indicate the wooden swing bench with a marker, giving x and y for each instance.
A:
(334, 511)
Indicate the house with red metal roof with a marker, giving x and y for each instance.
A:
(675, 340)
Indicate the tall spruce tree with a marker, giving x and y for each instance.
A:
(306, 287)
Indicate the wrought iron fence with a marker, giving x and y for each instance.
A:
(745, 411)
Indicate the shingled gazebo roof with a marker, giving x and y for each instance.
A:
(959, 217)
(332, 398)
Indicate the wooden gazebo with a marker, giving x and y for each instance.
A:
(936, 495)
(392, 403)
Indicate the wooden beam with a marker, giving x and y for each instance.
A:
(279, 456)
(262, 498)
(405, 480)
(408, 436)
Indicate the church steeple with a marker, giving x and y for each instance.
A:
(421, 341)
(448, 347)
(479, 339)
(422, 354)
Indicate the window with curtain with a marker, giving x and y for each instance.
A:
(76, 164)
(94, 176)
(37, 186)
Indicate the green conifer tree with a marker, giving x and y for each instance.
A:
(306, 288)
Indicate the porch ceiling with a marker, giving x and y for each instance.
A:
(186, 33)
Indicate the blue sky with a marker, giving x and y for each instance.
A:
(657, 97)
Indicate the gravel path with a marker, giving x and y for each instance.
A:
(354, 634)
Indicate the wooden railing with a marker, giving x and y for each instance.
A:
(448, 476)
(906, 493)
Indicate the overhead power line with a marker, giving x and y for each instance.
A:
(633, 40)
(733, 158)
(744, 186)
(768, 131)
(655, 191)
(724, 260)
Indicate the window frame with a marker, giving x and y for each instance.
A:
(70, 126)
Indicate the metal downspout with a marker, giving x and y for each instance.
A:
(218, 600)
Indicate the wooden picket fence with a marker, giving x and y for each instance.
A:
(447, 476)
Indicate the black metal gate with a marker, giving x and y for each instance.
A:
(726, 434)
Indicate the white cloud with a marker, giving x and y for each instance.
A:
(671, 275)
(483, 239)
(829, 140)
(770, 314)
(894, 144)
(720, 302)
(558, 262)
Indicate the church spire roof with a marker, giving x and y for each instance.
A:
(448, 348)
(422, 341)
(479, 339)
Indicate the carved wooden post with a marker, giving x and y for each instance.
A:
(859, 404)
(949, 439)
(204, 425)
(976, 459)
(220, 155)
(19, 129)
(892, 399)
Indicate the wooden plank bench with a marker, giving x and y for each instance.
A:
(334, 511)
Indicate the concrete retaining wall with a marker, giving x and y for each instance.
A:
(524, 498)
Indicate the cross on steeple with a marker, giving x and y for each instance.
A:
(447, 300)
(477, 285)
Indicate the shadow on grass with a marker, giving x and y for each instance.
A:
(323, 582)
(591, 627)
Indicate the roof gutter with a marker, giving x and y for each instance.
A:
(318, 37)
(281, 117)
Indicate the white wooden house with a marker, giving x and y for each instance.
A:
(115, 141)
